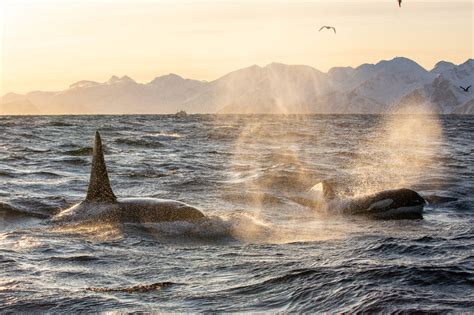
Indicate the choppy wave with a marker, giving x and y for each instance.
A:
(136, 289)
(262, 248)
(44, 207)
(7, 174)
(148, 174)
(60, 123)
(137, 142)
(165, 136)
(73, 259)
(85, 151)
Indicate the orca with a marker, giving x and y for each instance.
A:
(101, 204)
(386, 205)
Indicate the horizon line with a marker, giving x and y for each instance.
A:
(253, 65)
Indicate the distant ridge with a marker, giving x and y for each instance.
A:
(273, 89)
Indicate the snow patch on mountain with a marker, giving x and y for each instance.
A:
(276, 88)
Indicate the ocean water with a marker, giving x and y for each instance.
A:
(261, 249)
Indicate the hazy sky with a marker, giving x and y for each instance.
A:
(48, 45)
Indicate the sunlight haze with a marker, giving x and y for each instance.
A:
(48, 45)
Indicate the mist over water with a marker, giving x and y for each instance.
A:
(397, 153)
(261, 248)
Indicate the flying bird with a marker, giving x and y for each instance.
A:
(400, 3)
(328, 27)
(465, 89)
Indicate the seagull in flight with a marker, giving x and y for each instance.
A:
(400, 3)
(465, 89)
(328, 27)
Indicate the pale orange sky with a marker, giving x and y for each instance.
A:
(47, 45)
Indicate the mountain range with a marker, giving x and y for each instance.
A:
(385, 87)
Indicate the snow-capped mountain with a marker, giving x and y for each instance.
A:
(275, 88)
(444, 92)
(164, 94)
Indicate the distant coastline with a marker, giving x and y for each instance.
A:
(397, 85)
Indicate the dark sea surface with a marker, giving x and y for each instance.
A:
(262, 249)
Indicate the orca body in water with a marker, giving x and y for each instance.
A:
(386, 205)
(102, 205)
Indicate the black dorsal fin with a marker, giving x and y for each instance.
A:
(99, 185)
